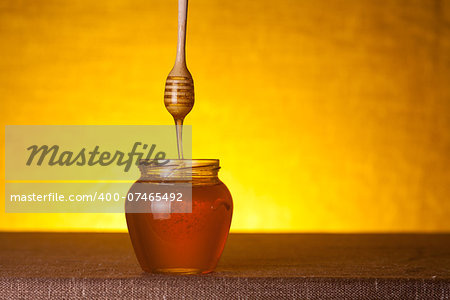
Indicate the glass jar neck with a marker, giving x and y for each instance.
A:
(195, 171)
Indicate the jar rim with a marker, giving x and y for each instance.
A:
(195, 162)
(179, 169)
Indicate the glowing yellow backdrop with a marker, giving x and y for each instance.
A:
(326, 115)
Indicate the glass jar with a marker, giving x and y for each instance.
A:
(172, 236)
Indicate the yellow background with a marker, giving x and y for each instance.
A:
(326, 115)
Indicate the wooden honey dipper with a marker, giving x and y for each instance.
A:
(179, 91)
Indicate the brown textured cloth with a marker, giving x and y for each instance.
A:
(274, 266)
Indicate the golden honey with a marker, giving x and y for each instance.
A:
(183, 243)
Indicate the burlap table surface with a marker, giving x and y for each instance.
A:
(268, 266)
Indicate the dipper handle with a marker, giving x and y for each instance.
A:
(179, 91)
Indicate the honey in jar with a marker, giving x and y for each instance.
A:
(179, 237)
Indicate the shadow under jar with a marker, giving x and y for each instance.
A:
(181, 222)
